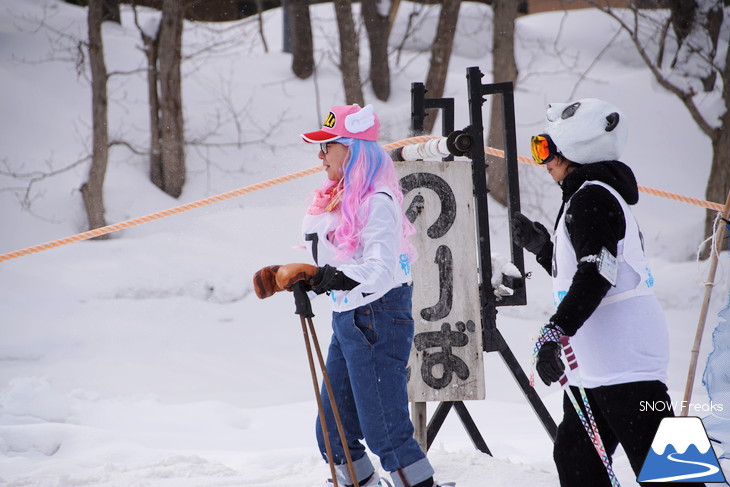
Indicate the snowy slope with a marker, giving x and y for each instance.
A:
(147, 360)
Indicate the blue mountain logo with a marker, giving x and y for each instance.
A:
(681, 452)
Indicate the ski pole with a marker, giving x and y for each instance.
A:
(589, 424)
(320, 409)
(590, 427)
(304, 310)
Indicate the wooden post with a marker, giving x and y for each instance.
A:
(709, 285)
(420, 426)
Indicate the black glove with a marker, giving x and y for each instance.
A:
(532, 236)
(324, 278)
(303, 306)
(549, 366)
(329, 277)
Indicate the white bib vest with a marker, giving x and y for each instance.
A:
(378, 264)
(630, 255)
(626, 338)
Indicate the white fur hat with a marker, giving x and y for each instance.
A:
(587, 130)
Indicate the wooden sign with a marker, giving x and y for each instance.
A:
(446, 362)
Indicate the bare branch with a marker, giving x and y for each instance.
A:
(411, 28)
(595, 61)
(685, 96)
(662, 42)
(34, 177)
(126, 73)
(39, 175)
(128, 145)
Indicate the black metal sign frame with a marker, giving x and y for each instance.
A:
(493, 341)
(419, 104)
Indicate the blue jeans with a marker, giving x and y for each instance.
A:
(366, 364)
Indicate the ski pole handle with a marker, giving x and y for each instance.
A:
(303, 306)
(569, 353)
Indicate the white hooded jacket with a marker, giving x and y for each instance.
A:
(378, 264)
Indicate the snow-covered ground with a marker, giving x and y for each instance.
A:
(146, 360)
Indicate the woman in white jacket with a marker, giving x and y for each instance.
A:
(359, 238)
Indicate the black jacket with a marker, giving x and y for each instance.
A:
(594, 220)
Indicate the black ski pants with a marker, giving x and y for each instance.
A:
(621, 417)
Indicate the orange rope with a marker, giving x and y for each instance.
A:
(97, 232)
(678, 197)
(160, 214)
(644, 189)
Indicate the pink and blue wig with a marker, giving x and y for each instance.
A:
(367, 168)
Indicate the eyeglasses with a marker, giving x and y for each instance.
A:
(543, 148)
(324, 146)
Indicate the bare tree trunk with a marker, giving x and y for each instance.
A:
(93, 189)
(718, 183)
(504, 68)
(714, 25)
(683, 17)
(111, 12)
(378, 29)
(441, 56)
(171, 116)
(349, 53)
(151, 45)
(302, 63)
(260, 19)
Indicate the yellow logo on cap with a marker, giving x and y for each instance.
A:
(329, 122)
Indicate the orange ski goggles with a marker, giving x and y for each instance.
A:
(543, 148)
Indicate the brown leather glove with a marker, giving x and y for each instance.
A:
(264, 282)
(290, 274)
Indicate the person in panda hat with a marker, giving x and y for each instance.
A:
(602, 289)
(359, 239)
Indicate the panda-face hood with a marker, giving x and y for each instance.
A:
(587, 130)
(614, 173)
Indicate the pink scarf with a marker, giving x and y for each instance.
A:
(326, 201)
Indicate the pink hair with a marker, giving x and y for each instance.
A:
(367, 168)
